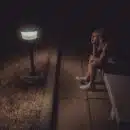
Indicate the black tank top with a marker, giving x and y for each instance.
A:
(99, 51)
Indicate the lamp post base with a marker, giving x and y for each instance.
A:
(34, 79)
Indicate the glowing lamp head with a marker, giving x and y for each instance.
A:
(29, 35)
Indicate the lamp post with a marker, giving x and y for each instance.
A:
(30, 34)
(31, 37)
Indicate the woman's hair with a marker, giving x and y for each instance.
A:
(103, 34)
(100, 32)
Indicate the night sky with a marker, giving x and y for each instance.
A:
(70, 22)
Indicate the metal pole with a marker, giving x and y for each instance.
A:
(56, 93)
(32, 66)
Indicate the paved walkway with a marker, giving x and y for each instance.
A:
(75, 112)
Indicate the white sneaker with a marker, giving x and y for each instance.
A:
(86, 86)
(81, 78)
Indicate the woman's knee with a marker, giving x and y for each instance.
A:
(90, 58)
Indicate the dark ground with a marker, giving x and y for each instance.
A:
(24, 106)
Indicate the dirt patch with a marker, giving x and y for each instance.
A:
(23, 106)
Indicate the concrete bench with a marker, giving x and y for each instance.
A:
(117, 82)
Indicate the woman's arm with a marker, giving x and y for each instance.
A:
(103, 53)
(94, 50)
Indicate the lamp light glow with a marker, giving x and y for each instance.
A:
(29, 35)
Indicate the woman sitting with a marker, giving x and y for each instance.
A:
(96, 59)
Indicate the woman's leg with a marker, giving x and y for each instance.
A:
(91, 73)
(89, 68)
(87, 77)
(92, 68)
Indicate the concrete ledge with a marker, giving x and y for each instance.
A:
(119, 93)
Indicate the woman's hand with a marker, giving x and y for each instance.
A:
(95, 60)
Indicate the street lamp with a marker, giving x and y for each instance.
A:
(30, 34)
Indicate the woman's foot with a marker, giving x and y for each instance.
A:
(85, 78)
(85, 86)
(81, 78)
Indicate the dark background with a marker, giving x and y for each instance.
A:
(67, 23)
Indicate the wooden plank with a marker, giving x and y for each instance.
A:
(69, 86)
(100, 113)
(73, 110)
(73, 115)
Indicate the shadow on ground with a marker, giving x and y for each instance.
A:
(67, 82)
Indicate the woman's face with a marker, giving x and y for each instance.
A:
(94, 38)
